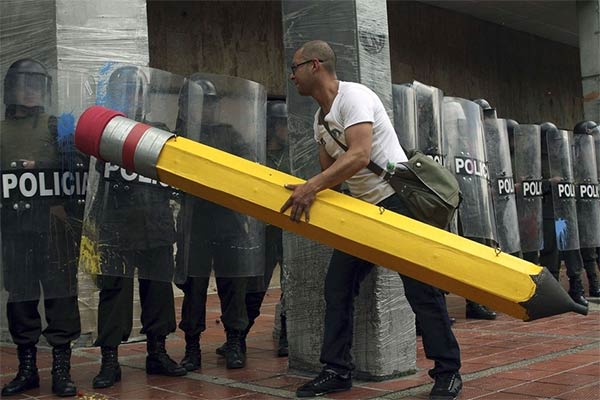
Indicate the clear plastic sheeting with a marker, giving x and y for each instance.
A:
(405, 115)
(586, 187)
(527, 169)
(502, 182)
(210, 236)
(430, 121)
(557, 167)
(90, 32)
(383, 340)
(27, 30)
(43, 180)
(129, 224)
(465, 145)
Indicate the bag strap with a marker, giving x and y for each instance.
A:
(376, 169)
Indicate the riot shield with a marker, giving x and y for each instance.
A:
(466, 156)
(527, 170)
(43, 180)
(586, 187)
(596, 136)
(503, 185)
(405, 115)
(129, 223)
(429, 121)
(557, 170)
(211, 237)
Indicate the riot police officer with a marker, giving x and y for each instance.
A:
(588, 200)
(214, 238)
(277, 158)
(38, 244)
(135, 232)
(561, 236)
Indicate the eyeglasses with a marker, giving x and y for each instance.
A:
(294, 67)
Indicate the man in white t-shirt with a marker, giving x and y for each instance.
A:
(358, 119)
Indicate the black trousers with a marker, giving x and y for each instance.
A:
(115, 308)
(62, 316)
(590, 263)
(550, 257)
(273, 256)
(32, 259)
(232, 294)
(342, 285)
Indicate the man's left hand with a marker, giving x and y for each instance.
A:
(300, 201)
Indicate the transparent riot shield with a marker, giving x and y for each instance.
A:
(526, 155)
(211, 237)
(43, 180)
(466, 156)
(129, 224)
(502, 181)
(429, 121)
(586, 187)
(557, 149)
(596, 136)
(405, 115)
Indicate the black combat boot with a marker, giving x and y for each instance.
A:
(158, 361)
(27, 376)
(192, 360)
(576, 291)
(479, 311)
(223, 349)
(282, 349)
(235, 355)
(110, 370)
(592, 275)
(62, 385)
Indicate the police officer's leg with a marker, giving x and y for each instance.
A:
(158, 309)
(590, 263)
(64, 326)
(574, 265)
(24, 324)
(115, 314)
(21, 280)
(532, 256)
(549, 256)
(193, 319)
(232, 294)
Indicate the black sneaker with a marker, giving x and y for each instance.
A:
(328, 381)
(447, 386)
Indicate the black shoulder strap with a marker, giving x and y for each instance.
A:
(376, 169)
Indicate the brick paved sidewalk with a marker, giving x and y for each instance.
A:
(553, 358)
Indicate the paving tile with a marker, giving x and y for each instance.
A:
(281, 381)
(357, 393)
(507, 396)
(570, 379)
(492, 383)
(538, 389)
(587, 392)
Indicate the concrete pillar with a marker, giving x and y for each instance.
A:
(384, 337)
(89, 34)
(588, 18)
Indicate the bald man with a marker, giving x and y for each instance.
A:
(356, 116)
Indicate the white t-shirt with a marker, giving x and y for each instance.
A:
(353, 104)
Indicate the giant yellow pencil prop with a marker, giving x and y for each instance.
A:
(500, 281)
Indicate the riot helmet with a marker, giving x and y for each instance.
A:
(483, 103)
(277, 133)
(127, 92)
(585, 127)
(486, 108)
(211, 99)
(27, 85)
